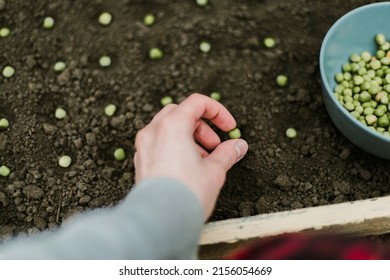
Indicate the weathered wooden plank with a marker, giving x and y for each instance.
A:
(364, 217)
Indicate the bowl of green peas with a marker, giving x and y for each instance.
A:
(355, 73)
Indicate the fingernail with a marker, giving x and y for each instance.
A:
(241, 148)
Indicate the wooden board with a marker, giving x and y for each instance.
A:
(364, 217)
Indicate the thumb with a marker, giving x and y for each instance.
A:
(229, 152)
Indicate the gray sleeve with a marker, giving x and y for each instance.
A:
(159, 219)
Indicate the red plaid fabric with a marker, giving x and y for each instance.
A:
(312, 247)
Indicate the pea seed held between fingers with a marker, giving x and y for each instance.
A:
(235, 134)
(166, 100)
(216, 96)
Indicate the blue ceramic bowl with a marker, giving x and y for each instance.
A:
(353, 33)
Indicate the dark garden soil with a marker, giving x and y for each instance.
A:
(319, 167)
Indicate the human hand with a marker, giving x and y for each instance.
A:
(168, 147)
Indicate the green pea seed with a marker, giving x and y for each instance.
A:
(385, 100)
(4, 171)
(368, 111)
(347, 67)
(356, 90)
(387, 88)
(216, 96)
(387, 78)
(155, 54)
(110, 110)
(166, 100)
(269, 42)
(347, 98)
(235, 134)
(59, 66)
(380, 39)
(48, 23)
(291, 133)
(60, 113)
(8, 71)
(383, 121)
(339, 77)
(355, 101)
(4, 32)
(362, 71)
(385, 61)
(379, 112)
(281, 80)
(366, 104)
(105, 61)
(349, 106)
(362, 64)
(380, 129)
(338, 88)
(385, 46)
(359, 109)
(355, 114)
(366, 56)
(149, 20)
(119, 154)
(380, 54)
(379, 96)
(201, 2)
(205, 47)
(364, 97)
(373, 90)
(345, 84)
(354, 57)
(371, 119)
(105, 18)
(355, 67)
(375, 64)
(347, 76)
(358, 80)
(4, 124)
(64, 161)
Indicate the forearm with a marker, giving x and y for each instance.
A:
(159, 219)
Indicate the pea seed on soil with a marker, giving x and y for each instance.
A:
(319, 167)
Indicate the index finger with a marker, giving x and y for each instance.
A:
(199, 106)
